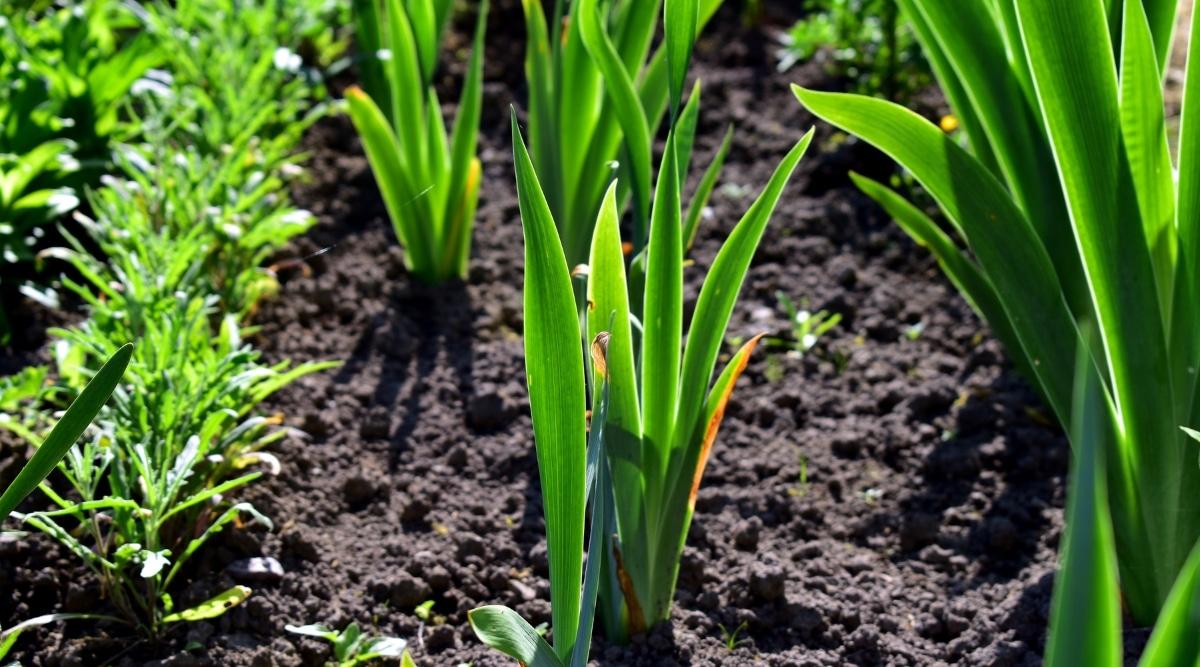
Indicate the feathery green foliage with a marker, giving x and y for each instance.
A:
(65, 73)
(1069, 212)
(199, 204)
(429, 178)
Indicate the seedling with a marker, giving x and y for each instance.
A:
(730, 639)
(1072, 210)
(351, 647)
(801, 488)
(807, 328)
(429, 179)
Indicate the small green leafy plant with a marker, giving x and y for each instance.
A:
(1070, 209)
(67, 73)
(351, 647)
(865, 41)
(730, 638)
(807, 328)
(429, 180)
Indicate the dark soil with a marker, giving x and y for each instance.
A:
(893, 497)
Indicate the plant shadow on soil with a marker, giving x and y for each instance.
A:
(886, 499)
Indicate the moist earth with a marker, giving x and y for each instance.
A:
(892, 497)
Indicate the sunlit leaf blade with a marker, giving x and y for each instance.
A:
(1161, 14)
(600, 504)
(662, 323)
(714, 413)
(1144, 130)
(424, 25)
(554, 373)
(680, 19)
(465, 169)
(1175, 641)
(67, 431)
(719, 293)
(952, 87)
(1002, 239)
(211, 608)
(1085, 616)
(685, 134)
(1075, 77)
(608, 300)
(369, 41)
(1185, 345)
(407, 87)
(504, 630)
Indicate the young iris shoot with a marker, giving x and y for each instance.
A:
(1070, 212)
(597, 95)
(656, 409)
(429, 180)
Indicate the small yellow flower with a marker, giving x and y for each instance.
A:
(949, 123)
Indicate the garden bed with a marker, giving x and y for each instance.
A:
(893, 497)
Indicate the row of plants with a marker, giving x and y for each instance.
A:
(171, 257)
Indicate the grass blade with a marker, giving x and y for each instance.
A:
(960, 269)
(719, 293)
(1144, 130)
(403, 202)
(608, 299)
(68, 429)
(1075, 78)
(663, 326)
(465, 170)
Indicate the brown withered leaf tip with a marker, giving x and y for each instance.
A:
(600, 353)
